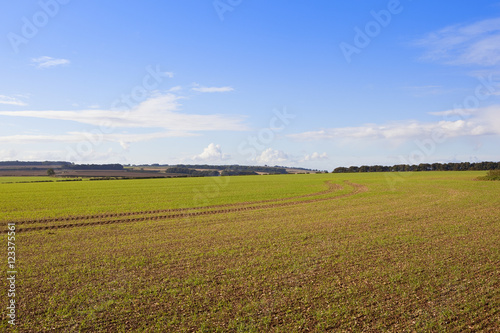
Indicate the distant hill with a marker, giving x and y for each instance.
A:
(68, 169)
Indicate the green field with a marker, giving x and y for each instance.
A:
(4, 180)
(39, 200)
(290, 253)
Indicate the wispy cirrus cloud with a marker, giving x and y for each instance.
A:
(124, 139)
(11, 100)
(454, 112)
(108, 156)
(203, 89)
(427, 90)
(464, 44)
(484, 121)
(156, 112)
(47, 62)
(160, 113)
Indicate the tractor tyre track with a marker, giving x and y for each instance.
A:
(188, 212)
(331, 188)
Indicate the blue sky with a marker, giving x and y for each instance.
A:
(314, 84)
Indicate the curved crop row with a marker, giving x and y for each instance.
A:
(186, 212)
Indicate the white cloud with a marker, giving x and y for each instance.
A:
(156, 112)
(477, 43)
(108, 156)
(30, 155)
(211, 89)
(454, 112)
(272, 157)
(175, 89)
(211, 153)
(47, 62)
(160, 114)
(9, 100)
(93, 138)
(8, 155)
(315, 156)
(428, 90)
(484, 121)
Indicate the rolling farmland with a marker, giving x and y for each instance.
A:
(322, 252)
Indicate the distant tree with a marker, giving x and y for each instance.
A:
(353, 169)
(424, 167)
(51, 172)
(437, 166)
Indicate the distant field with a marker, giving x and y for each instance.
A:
(288, 253)
(16, 179)
(28, 173)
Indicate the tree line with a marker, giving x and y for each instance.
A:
(462, 166)
(94, 166)
(237, 168)
(25, 163)
(61, 165)
(192, 172)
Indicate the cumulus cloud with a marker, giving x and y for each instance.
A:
(211, 153)
(47, 62)
(464, 44)
(10, 100)
(480, 122)
(272, 157)
(315, 156)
